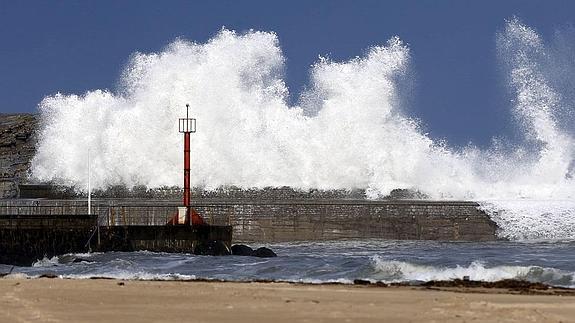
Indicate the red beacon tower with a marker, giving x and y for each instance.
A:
(187, 215)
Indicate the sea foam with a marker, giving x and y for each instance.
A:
(399, 271)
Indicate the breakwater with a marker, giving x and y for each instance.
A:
(291, 220)
(26, 238)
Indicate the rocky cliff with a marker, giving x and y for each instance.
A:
(17, 147)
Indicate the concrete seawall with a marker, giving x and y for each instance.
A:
(304, 220)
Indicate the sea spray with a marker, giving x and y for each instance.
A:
(349, 130)
(247, 135)
(532, 219)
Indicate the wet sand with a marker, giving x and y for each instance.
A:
(62, 300)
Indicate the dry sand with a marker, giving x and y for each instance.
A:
(60, 300)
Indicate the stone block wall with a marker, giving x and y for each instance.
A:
(277, 221)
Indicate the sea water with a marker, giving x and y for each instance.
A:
(334, 261)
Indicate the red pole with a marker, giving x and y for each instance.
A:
(187, 126)
(187, 170)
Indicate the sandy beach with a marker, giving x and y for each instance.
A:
(62, 300)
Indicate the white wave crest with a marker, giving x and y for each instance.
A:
(47, 262)
(399, 271)
(532, 219)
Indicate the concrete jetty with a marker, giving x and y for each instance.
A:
(290, 220)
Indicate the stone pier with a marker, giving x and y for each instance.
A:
(292, 220)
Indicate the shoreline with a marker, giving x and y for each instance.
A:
(87, 300)
(503, 286)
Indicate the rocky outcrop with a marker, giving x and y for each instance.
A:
(264, 252)
(17, 147)
(243, 250)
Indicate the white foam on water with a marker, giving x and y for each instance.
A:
(348, 131)
(86, 254)
(399, 271)
(47, 262)
(532, 219)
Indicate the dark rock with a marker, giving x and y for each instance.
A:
(66, 259)
(22, 136)
(45, 190)
(48, 275)
(212, 248)
(264, 252)
(17, 147)
(361, 282)
(405, 194)
(69, 259)
(242, 250)
(512, 284)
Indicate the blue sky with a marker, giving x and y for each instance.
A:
(460, 94)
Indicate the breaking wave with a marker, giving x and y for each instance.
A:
(532, 219)
(347, 131)
(399, 271)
